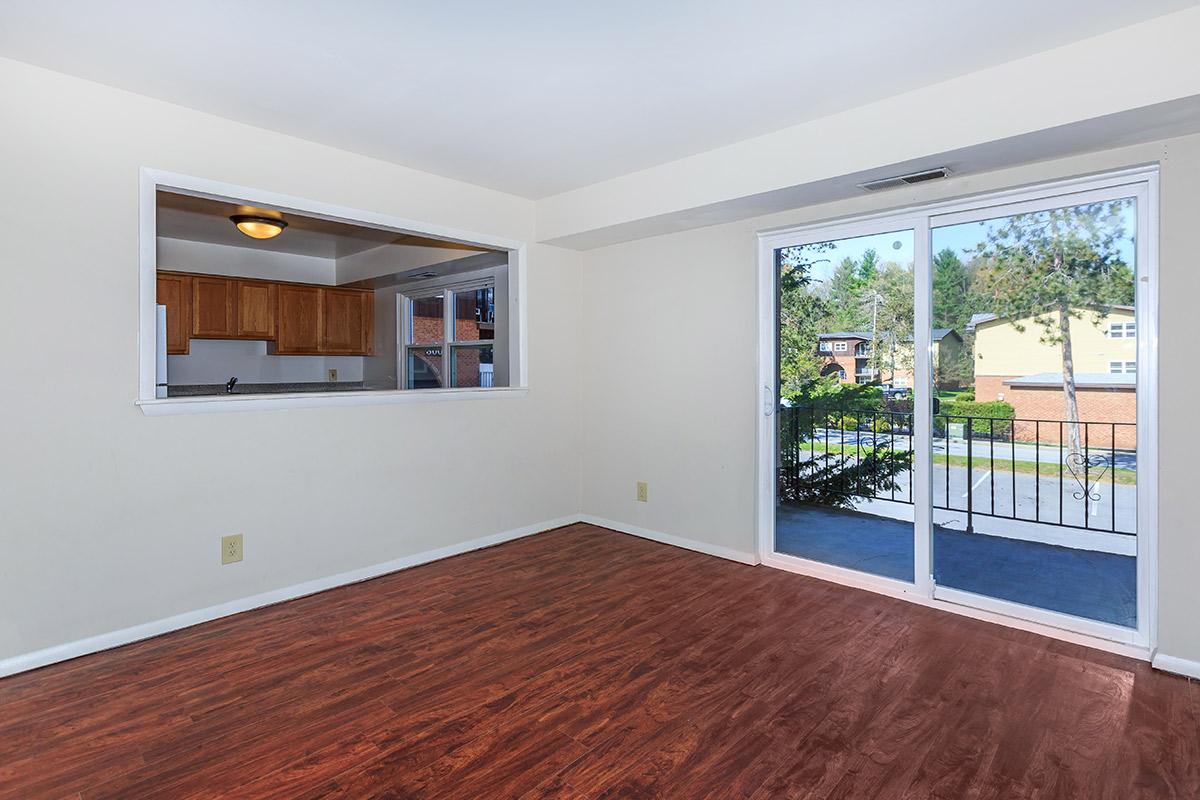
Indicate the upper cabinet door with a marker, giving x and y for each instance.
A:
(214, 306)
(255, 309)
(298, 319)
(175, 292)
(347, 322)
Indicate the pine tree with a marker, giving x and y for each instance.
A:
(1055, 266)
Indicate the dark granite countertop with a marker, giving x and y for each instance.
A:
(212, 389)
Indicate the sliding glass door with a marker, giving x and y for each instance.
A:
(1035, 354)
(845, 443)
(955, 400)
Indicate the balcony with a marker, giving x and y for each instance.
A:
(1016, 514)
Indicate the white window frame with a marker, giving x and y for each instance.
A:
(152, 180)
(448, 289)
(841, 347)
(825, 347)
(1116, 367)
(1140, 182)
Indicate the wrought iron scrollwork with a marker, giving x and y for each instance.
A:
(1087, 471)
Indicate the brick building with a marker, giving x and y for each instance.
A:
(848, 355)
(1014, 364)
(473, 322)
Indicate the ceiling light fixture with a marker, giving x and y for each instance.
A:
(258, 226)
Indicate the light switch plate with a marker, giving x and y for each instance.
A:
(231, 548)
(643, 492)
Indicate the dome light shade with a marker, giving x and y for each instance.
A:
(258, 227)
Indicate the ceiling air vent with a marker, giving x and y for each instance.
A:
(906, 180)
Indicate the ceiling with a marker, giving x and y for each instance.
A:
(534, 97)
(199, 219)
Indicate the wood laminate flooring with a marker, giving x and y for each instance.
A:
(584, 663)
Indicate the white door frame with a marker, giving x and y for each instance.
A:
(1141, 183)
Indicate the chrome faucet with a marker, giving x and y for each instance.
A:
(230, 384)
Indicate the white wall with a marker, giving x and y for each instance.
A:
(216, 360)
(670, 392)
(242, 262)
(380, 370)
(111, 518)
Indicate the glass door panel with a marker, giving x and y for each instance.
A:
(844, 426)
(1034, 437)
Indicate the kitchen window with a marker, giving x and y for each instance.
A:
(450, 338)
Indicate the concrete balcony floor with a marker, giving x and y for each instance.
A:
(1084, 583)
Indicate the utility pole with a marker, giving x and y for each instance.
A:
(876, 359)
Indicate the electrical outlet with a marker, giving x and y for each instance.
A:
(333, 376)
(231, 548)
(643, 492)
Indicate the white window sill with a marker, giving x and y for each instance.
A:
(218, 404)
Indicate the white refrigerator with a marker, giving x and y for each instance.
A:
(160, 351)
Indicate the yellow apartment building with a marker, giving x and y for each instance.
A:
(1018, 367)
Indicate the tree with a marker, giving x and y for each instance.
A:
(868, 266)
(845, 296)
(951, 291)
(955, 300)
(1055, 266)
(861, 463)
(892, 326)
(801, 313)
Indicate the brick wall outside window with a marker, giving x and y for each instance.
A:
(1096, 405)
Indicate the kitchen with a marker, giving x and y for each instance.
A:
(255, 300)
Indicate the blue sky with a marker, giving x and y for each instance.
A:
(968, 235)
(898, 246)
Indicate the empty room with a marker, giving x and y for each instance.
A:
(679, 400)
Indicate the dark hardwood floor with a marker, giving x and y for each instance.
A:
(583, 663)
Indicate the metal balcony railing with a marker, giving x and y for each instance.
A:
(1008, 468)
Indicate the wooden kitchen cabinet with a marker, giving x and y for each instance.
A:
(347, 322)
(175, 292)
(301, 319)
(255, 309)
(214, 307)
(298, 319)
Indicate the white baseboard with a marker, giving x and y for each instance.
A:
(676, 541)
(106, 641)
(1179, 666)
